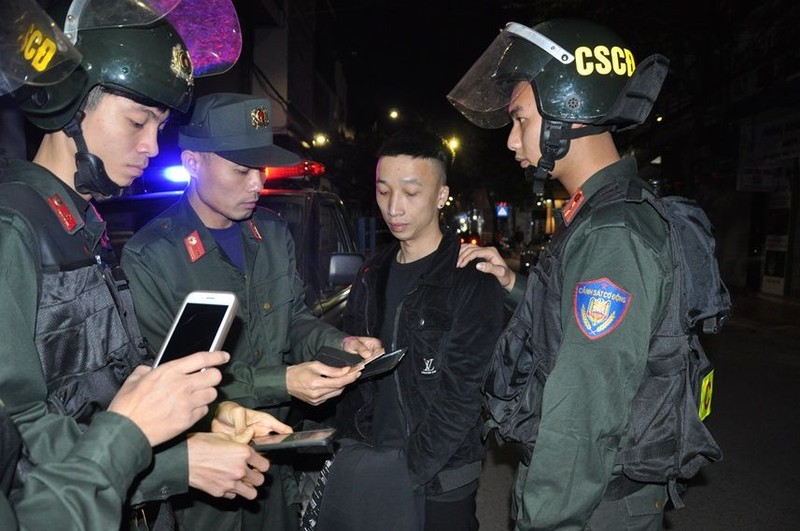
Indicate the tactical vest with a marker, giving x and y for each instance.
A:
(86, 335)
(525, 353)
(665, 440)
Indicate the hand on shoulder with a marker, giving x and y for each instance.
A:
(491, 262)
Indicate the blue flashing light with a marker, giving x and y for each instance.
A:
(176, 174)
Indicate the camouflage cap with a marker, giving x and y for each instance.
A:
(235, 127)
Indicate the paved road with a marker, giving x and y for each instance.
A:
(754, 419)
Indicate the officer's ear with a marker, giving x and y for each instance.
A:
(190, 161)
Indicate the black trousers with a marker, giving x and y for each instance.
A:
(456, 515)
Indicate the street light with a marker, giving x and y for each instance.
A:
(393, 114)
(454, 143)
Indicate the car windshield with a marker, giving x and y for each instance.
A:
(292, 209)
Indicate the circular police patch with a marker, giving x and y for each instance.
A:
(600, 306)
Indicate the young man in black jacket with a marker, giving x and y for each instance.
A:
(411, 295)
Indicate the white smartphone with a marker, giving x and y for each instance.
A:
(202, 323)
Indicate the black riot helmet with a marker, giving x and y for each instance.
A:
(580, 72)
(147, 50)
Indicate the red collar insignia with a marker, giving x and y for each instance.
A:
(63, 212)
(194, 246)
(572, 207)
(254, 229)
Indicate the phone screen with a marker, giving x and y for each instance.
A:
(195, 331)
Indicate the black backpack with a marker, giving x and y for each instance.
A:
(667, 441)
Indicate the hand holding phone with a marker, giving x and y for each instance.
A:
(377, 364)
(202, 323)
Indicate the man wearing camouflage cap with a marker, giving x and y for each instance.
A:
(216, 238)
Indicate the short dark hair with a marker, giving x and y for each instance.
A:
(419, 144)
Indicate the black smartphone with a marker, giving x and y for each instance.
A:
(320, 440)
(334, 357)
(369, 367)
(380, 364)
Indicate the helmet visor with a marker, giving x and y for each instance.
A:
(517, 54)
(99, 14)
(37, 52)
(210, 28)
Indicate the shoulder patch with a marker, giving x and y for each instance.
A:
(599, 307)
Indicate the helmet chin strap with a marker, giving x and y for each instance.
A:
(90, 177)
(537, 175)
(554, 143)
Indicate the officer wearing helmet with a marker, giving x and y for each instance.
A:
(70, 337)
(603, 285)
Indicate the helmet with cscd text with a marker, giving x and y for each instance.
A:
(146, 60)
(581, 72)
(145, 50)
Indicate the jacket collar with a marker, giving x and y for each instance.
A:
(622, 170)
(443, 265)
(196, 237)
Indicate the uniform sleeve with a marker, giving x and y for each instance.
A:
(613, 291)
(88, 488)
(467, 348)
(167, 476)
(49, 437)
(517, 293)
(152, 297)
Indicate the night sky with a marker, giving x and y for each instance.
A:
(410, 54)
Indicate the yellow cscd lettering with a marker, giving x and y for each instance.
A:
(38, 49)
(604, 61)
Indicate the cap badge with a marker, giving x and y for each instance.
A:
(181, 64)
(259, 117)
